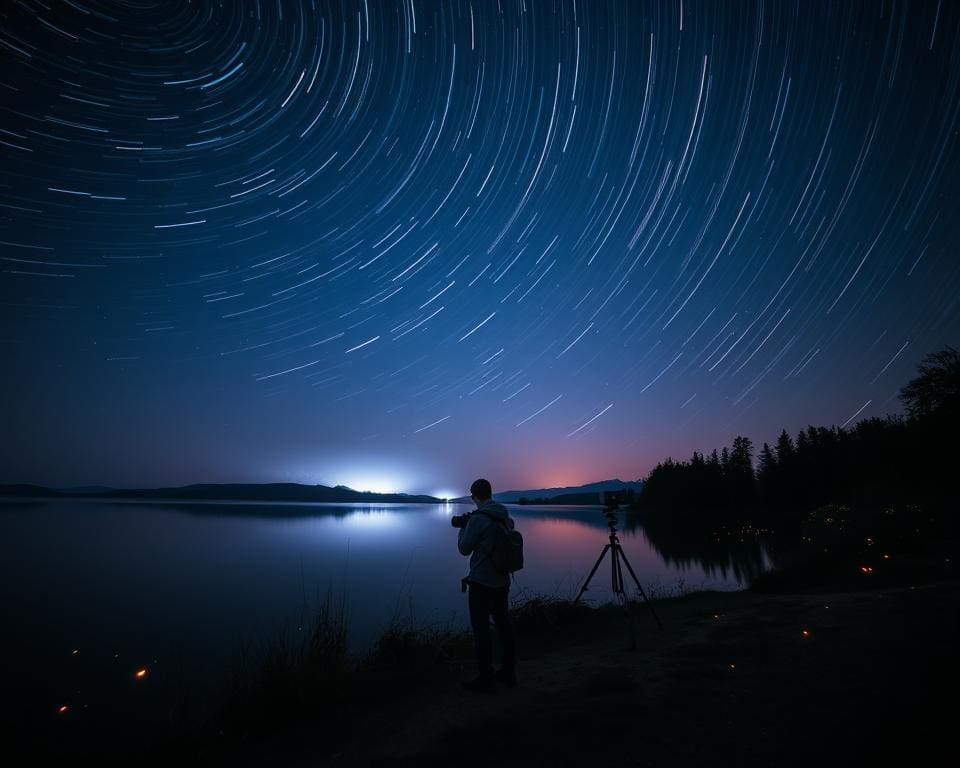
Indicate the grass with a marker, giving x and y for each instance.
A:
(302, 674)
(303, 683)
(307, 679)
(293, 676)
(407, 656)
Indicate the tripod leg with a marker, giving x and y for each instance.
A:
(596, 565)
(621, 595)
(616, 573)
(640, 589)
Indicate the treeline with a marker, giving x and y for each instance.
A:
(880, 461)
(578, 499)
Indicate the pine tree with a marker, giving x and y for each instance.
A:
(767, 463)
(785, 451)
(741, 458)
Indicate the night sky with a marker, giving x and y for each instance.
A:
(400, 245)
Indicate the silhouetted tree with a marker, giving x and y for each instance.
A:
(741, 457)
(739, 473)
(785, 453)
(936, 391)
(766, 472)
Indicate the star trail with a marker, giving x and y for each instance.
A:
(399, 245)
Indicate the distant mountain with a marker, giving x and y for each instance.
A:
(227, 492)
(87, 489)
(578, 493)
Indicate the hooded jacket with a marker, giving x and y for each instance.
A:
(477, 539)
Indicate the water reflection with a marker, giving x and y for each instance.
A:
(93, 589)
(741, 553)
(266, 510)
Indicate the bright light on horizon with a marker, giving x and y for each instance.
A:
(371, 481)
(358, 471)
(447, 494)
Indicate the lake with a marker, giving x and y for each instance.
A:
(176, 587)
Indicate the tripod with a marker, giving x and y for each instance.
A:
(616, 555)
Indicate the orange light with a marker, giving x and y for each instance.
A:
(805, 632)
(141, 673)
(866, 568)
(63, 710)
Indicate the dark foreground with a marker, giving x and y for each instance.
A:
(844, 678)
(792, 673)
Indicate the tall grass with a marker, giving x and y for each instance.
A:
(293, 674)
(303, 678)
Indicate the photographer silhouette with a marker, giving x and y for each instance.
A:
(488, 588)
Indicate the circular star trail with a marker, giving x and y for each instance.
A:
(399, 245)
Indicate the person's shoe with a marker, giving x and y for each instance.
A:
(506, 677)
(480, 685)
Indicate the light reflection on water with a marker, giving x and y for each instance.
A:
(155, 579)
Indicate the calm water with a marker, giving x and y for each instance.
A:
(172, 585)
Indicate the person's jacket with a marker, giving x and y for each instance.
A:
(477, 539)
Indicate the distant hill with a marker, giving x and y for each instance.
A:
(87, 489)
(227, 492)
(576, 494)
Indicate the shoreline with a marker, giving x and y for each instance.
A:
(835, 675)
(734, 677)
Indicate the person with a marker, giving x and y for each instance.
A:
(488, 590)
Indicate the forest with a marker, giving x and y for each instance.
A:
(903, 462)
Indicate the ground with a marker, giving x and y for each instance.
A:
(866, 677)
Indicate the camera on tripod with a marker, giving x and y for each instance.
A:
(614, 499)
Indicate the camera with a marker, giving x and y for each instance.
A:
(616, 498)
(460, 521)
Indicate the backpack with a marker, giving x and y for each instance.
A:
(507, 553)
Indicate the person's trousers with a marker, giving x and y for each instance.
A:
(486, 602)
